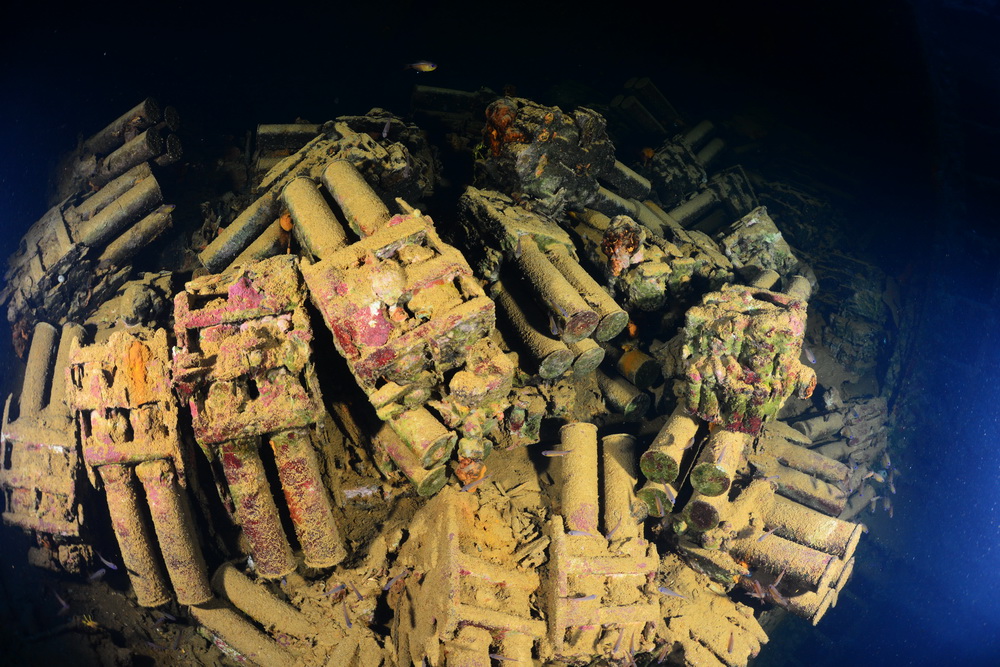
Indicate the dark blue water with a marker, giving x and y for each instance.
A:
(901, 95)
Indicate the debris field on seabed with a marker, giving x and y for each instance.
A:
(579, 415)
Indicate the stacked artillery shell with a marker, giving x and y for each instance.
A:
(308, 503)
(712, 476)
(574, 317)
(612, 318)
(426, 437)
(255, 509)
(135, 540)
(363, 210)
(623, 397)
(315, 225)
(620, 470)
(634, 365)
(589, 356)
(257, 603)
(579, 476)
(240, 232)
(228, 624)
(552, 355)
(427, 481)
(661, 462)
(174, 531)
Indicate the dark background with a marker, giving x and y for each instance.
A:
(896, 101)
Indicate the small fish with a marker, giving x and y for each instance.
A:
(553, 327)
(618, 642)
(584, 598)
(347, 619)
(892, 486)
(767, 534)
(65, 605)
(809, 354)
(357, 592)
(556, 452)
(337, 589)
(689, 445)
(886, 461)
(111, 566)
(770, 478)
(659, 505)
(722, 452)
(874, 475)
(389, 583)
(776, 596)
(421, 66)
(731, 642)
(662, 655)
(501, 658)
(613, 530)
(780, 577)
(671, 496)
(97, 576)
(471, 486)
(666, 591)
(578, 533)
(873, 504)
(385, 129)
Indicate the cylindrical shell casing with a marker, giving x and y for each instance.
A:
(257, 603)
(307, 499)
(620, 478)
(174, 531)
(255, 508)
(222, 620)
(316, 226)
(661, 462)
(134, 537)
(38, 370)
(807, 526)
(362, 208)
(579, 476)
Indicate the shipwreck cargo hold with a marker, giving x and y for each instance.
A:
(534, 354)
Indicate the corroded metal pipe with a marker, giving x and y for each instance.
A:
(175, 531)
(255, 508)
(307, 499)
(134, 537)
(579, 476)
(135, 238)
